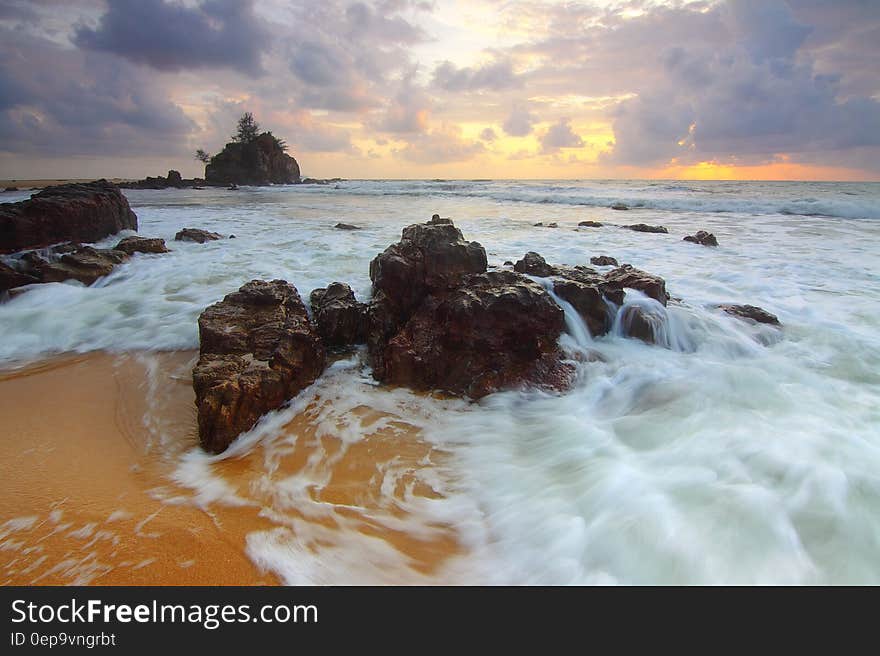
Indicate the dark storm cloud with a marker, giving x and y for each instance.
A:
(170, 36)
(58, 101)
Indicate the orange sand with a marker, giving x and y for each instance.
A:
(82, 479)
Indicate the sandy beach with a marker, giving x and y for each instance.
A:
(87, 495)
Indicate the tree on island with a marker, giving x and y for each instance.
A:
(202, 156)
(248, 129)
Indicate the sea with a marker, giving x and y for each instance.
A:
(727, 453)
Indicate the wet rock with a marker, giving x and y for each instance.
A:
(133, 245)
(552, 225)
(346, 226)
(197, 235)
(72, 212)
(534, 265)
(72, 262)
(538, 225)
(589, 224)
(588, 300)
(703, 238)
(340, 319)
(258, 350)
(258, 162)
(643, 227)
(495, 331)
(603, 260)
(751, 313)
(639, 322)
(508, 263)
(628, 276)
(11, 278)
(620, 207)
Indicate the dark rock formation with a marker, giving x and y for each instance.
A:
(320, 181)
(703, 238)
(589, 302)
(259, 162)
(629, 276)
(133, 245)
(258, 350)
(340, 319)
(751, 313)
(11, 278)
(72, 262)
(495, 331)
(639, 322)
(534, 265)
(643, 227)
(619, 206)
(603, 260)
(197, 235)
(346, 226)
(72, 212)
(590, 224)
(173, 180)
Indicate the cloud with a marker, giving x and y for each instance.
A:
(560, 135)
(439, 146)
(493, 77)
(488, 134)
(407, 112)
(306, 134)
(59, 101)
(170, 36)
(519, 122)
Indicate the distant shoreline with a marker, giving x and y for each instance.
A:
(24, 185)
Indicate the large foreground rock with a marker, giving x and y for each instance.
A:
(259, 162)
(72, 262)
(340, 319)
(72, 212)
(495, 331)
(258, 349)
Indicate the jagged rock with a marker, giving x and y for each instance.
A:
(590, 224)
(534, 265)
(495, 331)
(703, 238)
(430, 257)
(174, 179)
(603, 260)
(643, 227)
(751, 313)
(72, 262)
(588, 301)
(508, 263)
(259, 162)
(197, 235)
(346, 226)
(258, 350)
(11, 278)
(133, 245)
(340, 319)
(72, 212)
(619, 206)
(639, 322)
(628, 276)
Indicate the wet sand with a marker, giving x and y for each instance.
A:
(89, 448)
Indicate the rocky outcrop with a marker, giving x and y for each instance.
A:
(703, 238)
(751, 313)
(132, 245)
(629, 276)
(11, 278)
(603, 260)
(495, 331)
(72, 212)
(258, 349)
(640, 322)
(258, 162)
(346, 226)
(643, 227)
(620, 206)
(534, 265)
(173, 180)
(340, 319)
(72, 262)
(589, 224)
(588, 301)
(197, 235)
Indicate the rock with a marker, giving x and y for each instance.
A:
(197, 235)
(588, 300)
(346, 226)
(534, 265)
(643, 227)
(340, 319)
(259, 162)
(628, 276)
(232, 187)
(538, 225)
(11, 278)
(11, 189)
(751, 313)
(495, 331)
(703, 238)
(72, 212)
(619, 206)
(430, 257)
(133, 245)
(603, 260)
(552, 225)
(73, 262)
(508, 263)
(174, 179)
(590, 224)
(639, 322)
(258, 350)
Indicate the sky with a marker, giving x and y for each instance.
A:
(706, 89)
